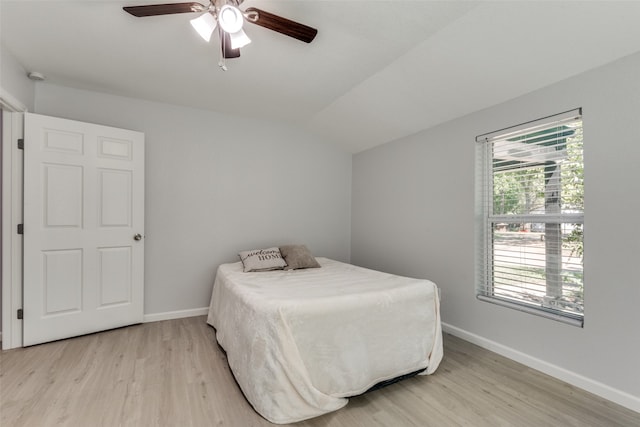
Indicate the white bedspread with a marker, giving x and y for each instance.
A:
(299, 342)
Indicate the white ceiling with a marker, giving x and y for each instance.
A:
(377, 71)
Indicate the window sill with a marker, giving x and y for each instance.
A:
(537, 311)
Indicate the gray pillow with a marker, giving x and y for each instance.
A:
(298, 256)
(262, 260)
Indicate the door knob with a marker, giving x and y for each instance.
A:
(137, 237)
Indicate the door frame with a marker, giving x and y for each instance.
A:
(12, 188)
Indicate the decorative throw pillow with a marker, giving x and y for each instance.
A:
(262, 259)
(298, 256)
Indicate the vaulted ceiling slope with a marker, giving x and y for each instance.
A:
(377, 71)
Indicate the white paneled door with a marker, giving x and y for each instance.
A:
(83, 228)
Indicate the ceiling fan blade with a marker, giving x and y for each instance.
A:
(164, 9)
(225, 42)
(283, 25)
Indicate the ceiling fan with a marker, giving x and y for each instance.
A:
(226, 16)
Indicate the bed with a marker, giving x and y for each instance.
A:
(300, 342)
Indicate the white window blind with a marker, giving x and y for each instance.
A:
(530, 208)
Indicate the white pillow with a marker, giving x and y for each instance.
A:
(262, 259)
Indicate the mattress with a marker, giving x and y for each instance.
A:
(300, 342)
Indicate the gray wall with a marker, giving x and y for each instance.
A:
(413, 214)
(14, 80)
(218, 184)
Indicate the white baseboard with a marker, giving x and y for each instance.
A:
(179, 314)
(621, 398)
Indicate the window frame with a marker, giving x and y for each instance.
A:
(486, 219)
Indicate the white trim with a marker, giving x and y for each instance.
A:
(12, 128)
(179, 314)
(9, 102)
(606, 392)
(11, 280)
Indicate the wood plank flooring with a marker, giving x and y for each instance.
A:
(172, 373)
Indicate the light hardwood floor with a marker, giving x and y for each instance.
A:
(172, 373)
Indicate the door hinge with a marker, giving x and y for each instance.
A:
(21, 144)
(20, 313)
(20, 228)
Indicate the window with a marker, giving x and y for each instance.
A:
(530, 210)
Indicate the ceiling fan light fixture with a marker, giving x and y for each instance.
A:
(204, 25)
(239, 39)
(230, 19)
